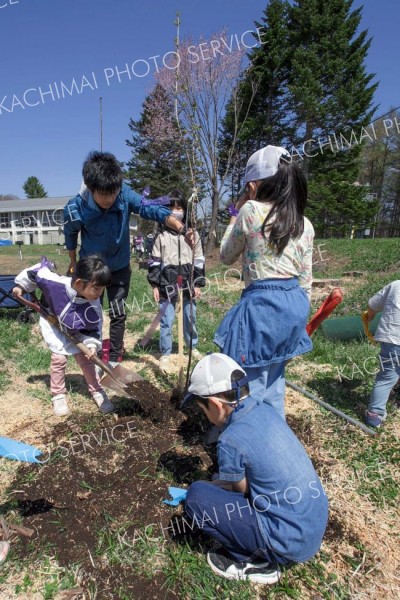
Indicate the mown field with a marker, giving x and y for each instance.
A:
(115, 489)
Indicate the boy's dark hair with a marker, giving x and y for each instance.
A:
(229, 395)
(92, 269)
(102, 173)
(287, 190)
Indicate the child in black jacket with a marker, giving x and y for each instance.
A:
(172, 259)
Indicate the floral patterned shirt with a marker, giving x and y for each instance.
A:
(260, 259)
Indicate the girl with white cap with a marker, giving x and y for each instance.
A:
(268, 228)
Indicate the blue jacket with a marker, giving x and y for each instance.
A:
(267, 325)
(106, 232)
(289, 501)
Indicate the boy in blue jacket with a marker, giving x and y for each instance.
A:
(100, 214)
(267, 506)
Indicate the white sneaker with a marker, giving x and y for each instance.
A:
(164, 362)
(103, 402)
(196, 354)
(60, 406)
(256, 571)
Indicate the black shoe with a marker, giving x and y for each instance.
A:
(257, 571)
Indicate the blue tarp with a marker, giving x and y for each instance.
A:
(5, 243)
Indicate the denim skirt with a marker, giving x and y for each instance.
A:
(267, 325)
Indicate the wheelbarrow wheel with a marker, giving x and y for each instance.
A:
(26, 316)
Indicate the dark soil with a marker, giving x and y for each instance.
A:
(107, 475)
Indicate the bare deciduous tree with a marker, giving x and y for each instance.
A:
(201, 85)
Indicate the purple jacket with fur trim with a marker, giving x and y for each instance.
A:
(76, 316)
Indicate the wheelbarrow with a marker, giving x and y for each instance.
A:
(7, 300)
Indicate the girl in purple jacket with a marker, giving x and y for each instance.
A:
(75, 302)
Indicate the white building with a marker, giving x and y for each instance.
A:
(37, 220)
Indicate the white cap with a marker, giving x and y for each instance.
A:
(212, 375)
(264, 163)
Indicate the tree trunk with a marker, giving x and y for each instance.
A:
(212, 233)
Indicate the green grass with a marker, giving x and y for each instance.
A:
(52, 581)
(142, 551)
(339, 255)
(5, 379)
(339, 372)
(188, 571)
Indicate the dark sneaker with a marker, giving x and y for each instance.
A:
(373, 419)
(257, 571)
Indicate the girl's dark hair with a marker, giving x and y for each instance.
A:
(102, 173)
(92, 269)
(287, 190)
(177, 199)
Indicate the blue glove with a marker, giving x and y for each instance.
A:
(177, 495)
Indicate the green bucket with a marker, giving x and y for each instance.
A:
(348, 328)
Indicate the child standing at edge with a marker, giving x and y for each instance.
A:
(75, 302)
(387, 301)
(100, 213)
(171, 257)
(267, 507)
(267, 327)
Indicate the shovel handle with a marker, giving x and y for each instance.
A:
(29, 304)
(80, 345)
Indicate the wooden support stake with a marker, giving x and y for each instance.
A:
(180, 338)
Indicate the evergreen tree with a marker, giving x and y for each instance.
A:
(33, 188)
(314, 79)
(268, 121)
(157, 157)
(331, 94)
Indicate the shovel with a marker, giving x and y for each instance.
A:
(117, 378)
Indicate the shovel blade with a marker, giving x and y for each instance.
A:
(122, 378)
(126, 376)
(113, 384)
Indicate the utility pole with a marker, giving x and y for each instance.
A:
(101, 124)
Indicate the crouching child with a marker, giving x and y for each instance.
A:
(267, 507)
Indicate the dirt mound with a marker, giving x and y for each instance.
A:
(102, 482)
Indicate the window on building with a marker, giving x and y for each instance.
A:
(52, 218)
(5, 220)
(26, 219)
(57, 218)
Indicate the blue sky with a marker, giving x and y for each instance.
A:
(51, 42)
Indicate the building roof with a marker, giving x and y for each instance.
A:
(29, 204)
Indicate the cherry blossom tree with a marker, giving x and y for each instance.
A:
(202, 79)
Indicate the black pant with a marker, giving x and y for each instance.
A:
(117, 294)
